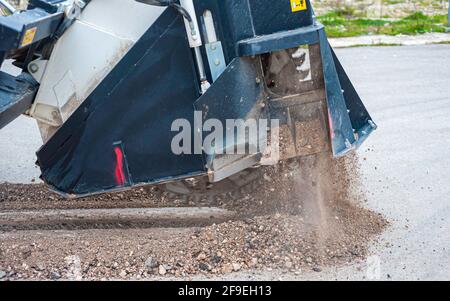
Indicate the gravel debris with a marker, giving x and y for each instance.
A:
(38, 196)
(55, 275)
(162, 270)
(151, 264)
(306, 217)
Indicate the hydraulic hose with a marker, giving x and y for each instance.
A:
(171, 3)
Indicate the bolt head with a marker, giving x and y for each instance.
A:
(34, 68)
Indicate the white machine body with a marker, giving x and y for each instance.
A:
(84, 55)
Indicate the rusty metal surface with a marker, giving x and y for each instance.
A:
(294, 80)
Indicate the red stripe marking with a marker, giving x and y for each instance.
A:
(331, 125)
(118, 172)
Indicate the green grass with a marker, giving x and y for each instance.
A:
(390, 2)
(374, 45)
(344, 23)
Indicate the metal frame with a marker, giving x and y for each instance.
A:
(14, 28)
(7, 6)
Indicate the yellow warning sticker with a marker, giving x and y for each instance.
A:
(298, 5)
(28, 37)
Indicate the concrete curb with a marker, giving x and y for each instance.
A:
(404, 40)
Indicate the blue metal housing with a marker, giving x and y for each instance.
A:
(16, 95)
(22, 32)
(14, 27)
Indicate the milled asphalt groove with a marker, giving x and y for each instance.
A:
(113, 218)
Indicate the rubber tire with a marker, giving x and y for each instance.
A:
(200, 190)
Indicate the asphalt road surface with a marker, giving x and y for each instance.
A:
(405, 164)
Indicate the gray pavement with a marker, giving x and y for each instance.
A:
(407, 171)
(19, 140)
(405, 164)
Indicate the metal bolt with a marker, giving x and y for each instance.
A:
(217, 62)
(258, 80)
(34, 68)
(80, 3)
(348, 144)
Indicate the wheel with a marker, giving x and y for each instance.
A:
(280, 180)
(199, 189)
